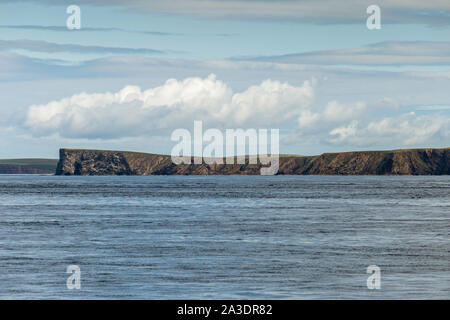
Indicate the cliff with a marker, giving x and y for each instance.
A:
(395, 162)
(101, 162)
(28, 166)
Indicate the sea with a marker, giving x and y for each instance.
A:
(224, 237)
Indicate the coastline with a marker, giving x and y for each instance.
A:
(394, 162)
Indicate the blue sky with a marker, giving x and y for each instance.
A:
(312, 69)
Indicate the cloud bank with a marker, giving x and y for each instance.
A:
(358, 125)
(133, 112)
(176, 104)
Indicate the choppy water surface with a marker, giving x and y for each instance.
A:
(225, 237)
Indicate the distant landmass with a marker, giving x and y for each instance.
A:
(28, 166)
(103, 162)
(394, 162)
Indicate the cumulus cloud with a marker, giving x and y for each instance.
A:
(345, 133)
(411, 128)
(176, 104)
(133, 112)
(334, 112)
(354, 125)
(407, 130)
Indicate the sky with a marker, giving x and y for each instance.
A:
(137, 70)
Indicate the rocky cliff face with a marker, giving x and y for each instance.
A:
(99, 162)
(396, 162)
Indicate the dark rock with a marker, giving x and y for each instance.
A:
(396, 162)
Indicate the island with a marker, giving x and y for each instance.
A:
(431, 161)
(28, 166)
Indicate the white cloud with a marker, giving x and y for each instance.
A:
(357, 125)
(308, 119)
(176, 104)
(338, 112)
(270, 102)
(347, 133)
(410, 128)
(133, 112)
(334, 112)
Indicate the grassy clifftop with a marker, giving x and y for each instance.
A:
(19, 166)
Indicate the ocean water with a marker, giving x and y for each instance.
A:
(224, 237)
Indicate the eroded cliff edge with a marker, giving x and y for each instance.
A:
(395, 162)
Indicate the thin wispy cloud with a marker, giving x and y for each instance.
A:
(433, 108)
(383, 53)
(87, 29)
(51, 47)
(431, 12)
(111, 29)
